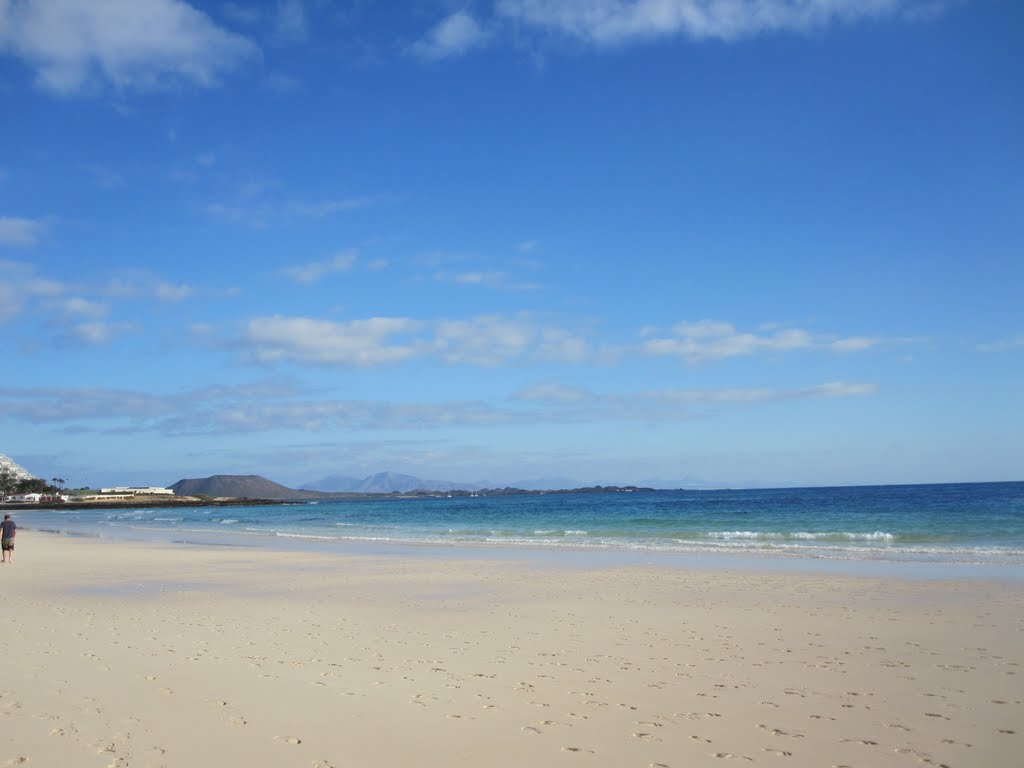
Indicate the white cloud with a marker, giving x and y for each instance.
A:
(611, 22)
(321, 342)
(137, 44)
(277, 405)
(717, 340)
(563, 346)
(454, 36)
(20, 285)
(477, 278)
(487, 340)
(328, 207)
(98, 331)
(19, 231)
(252, 215)
(493, 279)
(79, 307)
(311, 273)
(78, 312)
(290, 25)
(485, 279)
(704, 329)
(255, 209)
(173, 293)
(1003, 345)
(668, 399)
(853, 344)
(554, 393)
(491, 340)
(741, 395)
(140, 284)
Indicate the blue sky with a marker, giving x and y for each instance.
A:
(685, 243)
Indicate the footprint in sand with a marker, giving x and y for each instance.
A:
(530, 729)
(292, 740)
(957, 743)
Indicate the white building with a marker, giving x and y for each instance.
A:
(25, 498)
(9, 466)
(135, 491)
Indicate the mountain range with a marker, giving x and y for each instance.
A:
(383, 482)
(393, 482)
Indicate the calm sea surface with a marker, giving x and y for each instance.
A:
(980, 523)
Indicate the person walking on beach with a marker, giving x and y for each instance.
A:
(7, 531)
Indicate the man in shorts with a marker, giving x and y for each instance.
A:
(7, 531)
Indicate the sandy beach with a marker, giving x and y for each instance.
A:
(135, 654)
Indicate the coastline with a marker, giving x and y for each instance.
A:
(142, 503)
(301, 657)
(935, 531)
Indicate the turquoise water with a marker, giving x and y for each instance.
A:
(955, 523)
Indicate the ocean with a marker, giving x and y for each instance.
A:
(975, 523)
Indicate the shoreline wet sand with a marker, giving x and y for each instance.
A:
(122, 653)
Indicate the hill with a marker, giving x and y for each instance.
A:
(241, 487)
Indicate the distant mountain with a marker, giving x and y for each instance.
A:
(241, 487)
(385, 482)
(392, 482)
(338, 483)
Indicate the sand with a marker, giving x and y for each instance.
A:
(136, 654)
